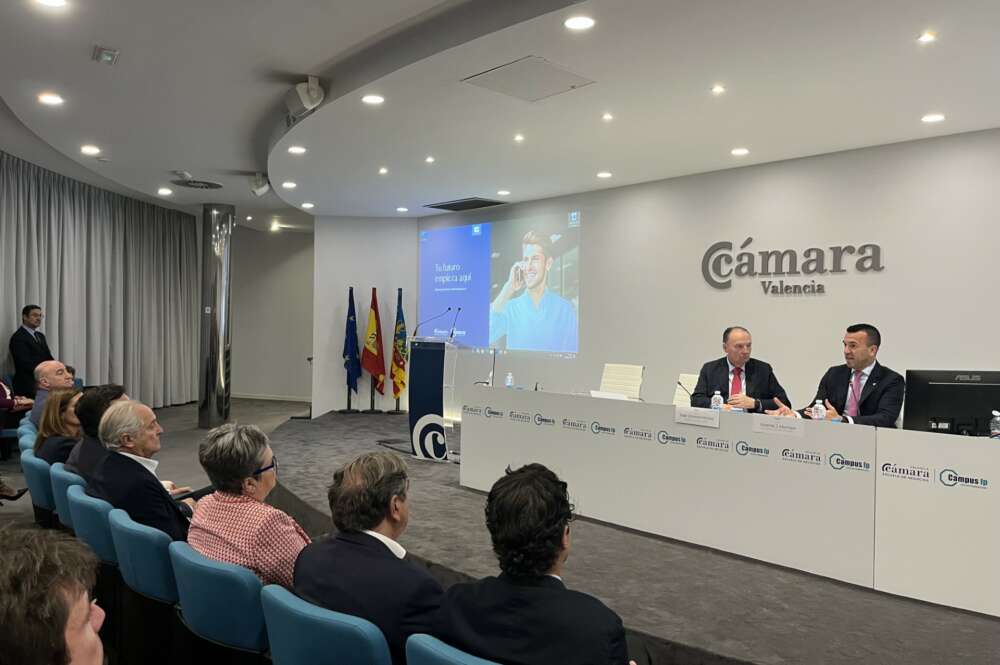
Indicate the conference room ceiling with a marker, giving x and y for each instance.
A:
(197, 87)
(801, 78)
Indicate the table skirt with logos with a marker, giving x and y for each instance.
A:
(909, 513)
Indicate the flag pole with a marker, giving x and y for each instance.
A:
(372, 410)
(399, 337)
(351, 361)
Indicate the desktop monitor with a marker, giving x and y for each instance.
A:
(951, 401)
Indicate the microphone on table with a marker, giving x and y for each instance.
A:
(429, 320)
(454, 321)
(684, 389)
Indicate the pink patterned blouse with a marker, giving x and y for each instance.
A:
(249, 533)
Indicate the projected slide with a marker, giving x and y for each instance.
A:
(517, 283)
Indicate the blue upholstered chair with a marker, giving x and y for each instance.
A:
(26, 442)
(143, 557)
(37, 474)
(90, 521)
(61, 482)
(220, 602)
(303, 634)
(426, 650)
(27, 425)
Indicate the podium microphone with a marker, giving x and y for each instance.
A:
(684, 389)
(454, 321)
(414, 334)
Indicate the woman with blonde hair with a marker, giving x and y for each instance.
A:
(59, 428)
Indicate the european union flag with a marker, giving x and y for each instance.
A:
(352, 360)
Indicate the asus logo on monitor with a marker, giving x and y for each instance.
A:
(968, 377)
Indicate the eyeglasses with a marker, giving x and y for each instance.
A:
(272, 465)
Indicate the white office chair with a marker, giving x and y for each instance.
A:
(622, 380)
(682, 395)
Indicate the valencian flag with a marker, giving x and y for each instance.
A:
(399, 349)
(372, 358)
(352, 362)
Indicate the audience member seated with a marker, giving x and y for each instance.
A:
(45, 607)
(362, 571)
(89, 452)
(49, 375)
(233, 524)
(527, 616)
(59, 430)
(12, 407)
(126, 477)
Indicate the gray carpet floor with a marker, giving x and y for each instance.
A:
(693, 605)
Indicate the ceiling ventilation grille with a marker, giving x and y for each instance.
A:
(472, 203)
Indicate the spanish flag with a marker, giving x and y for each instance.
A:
(372, 358)
(399, 349)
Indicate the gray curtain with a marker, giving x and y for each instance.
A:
(117, 279)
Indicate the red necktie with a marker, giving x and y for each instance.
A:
(737, 387)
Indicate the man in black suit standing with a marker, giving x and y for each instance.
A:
(28, 348)
(527, 616)
(362, 570)
(126, 476)
(861, 391)
(744, 382)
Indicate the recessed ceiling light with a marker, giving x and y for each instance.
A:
(382, 170)
(90, 150)
(718, 89)
(308, 206)
(739, 152)
(429, 159)
(503, 192)
(275, 226)
(289, 185)
(164, 191)
(296, 150)
(927, 37)
(402, 209)
(249, 218)
(933, 117)
(579, 23)
(373, 100)
(607, 117)
(50, 99)
(52, 3)
(519, 138)
(604, 174)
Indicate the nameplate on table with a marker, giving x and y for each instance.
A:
(691, 415)
(778, 425)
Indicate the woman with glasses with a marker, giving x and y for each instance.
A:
(233, 524)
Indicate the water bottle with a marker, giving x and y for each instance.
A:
(995, 426)
(510, 380)
(717, 400)
(819, 411)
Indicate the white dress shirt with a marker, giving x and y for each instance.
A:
(743, 377)
(393, 546)
(150, 464)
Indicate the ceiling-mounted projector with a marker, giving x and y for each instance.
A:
(259, 184)
(304, 97)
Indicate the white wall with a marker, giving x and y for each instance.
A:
(272, 315)
(931, 205)
(361, 253)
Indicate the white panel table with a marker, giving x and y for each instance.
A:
(804, 499)
(937, 535)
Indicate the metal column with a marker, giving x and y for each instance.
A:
(213, 392)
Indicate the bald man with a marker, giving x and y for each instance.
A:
(49, 375)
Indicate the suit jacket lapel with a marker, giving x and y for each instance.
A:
(871, 383)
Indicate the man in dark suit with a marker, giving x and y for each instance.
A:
(362, 571)
(28, 348)
(744, 382)
(126, 477)
(89, 452)
(861, 391)
(527, 616)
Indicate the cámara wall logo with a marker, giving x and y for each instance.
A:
(719, 265)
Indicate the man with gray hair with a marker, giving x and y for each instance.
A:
(126, 477)
(362, 570)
